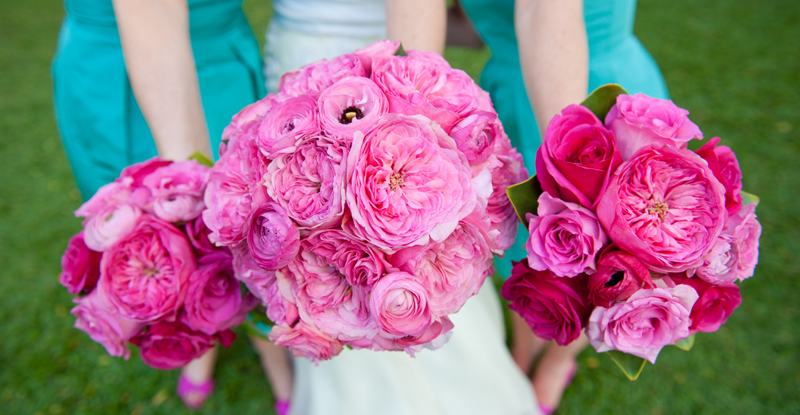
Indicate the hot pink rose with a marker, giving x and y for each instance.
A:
(665, 207)
(111, 224)
(565, 238)
(476, 134)
(100, 320)
(643, 325)
(507, 168)
(272, 237)
(380, 49)
(725, 166)
(177, 190)
(746, 231)
(135, 174)
(309, 184)
(305, 340)
(639, 121)
(145, 275)
(556, 308)
(80, 266)
(198, 234)
(350, 105)
(619, 275)
(399, 303)
(715, 305)
(407, 183)
(169, 346)
(286, 125)
(577, 157)
(361, 263)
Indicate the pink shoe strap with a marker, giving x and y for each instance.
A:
(185, 387)
(282, 406)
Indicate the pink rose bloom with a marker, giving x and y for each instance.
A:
(146, 274)
(286, 125)
(407, 183)
(725, 166)
(198, 234)
(246, 270)
(177, 190)
(305, 340)
(715, 305)
(272, 237)
(746, 231)
(577, 157)
(361, 263)
(135, 174)
(99, 319)
(507, 168)
(476, 134)
(380, 49)
(643, 325)
(309, 184)
(108, 226)
(619, 275)
(109, 195)
(279, 309)
(347, 321)
(556, 308)
(436, 336)
(350, 105)
(565, 238)
(720, 265)
(399, 303)
(319, 284)
(313, 78)
(665, 207)
(248, 118)
(214, 298)
(169, 346)
(639, 121)
(80, 266)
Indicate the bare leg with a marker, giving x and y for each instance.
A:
(277, 365)
(526, 346)
(199, 371)
(554, 370)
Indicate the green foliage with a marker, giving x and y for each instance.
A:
(200, 158)
(630, 365)
(525, 197)
(686, 344)
(602, 99)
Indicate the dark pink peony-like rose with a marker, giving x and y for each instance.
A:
(135, 174)
(725, 166)
(304, 340)
(556, 308)
(286, 125)
(176, 190)
(145, 275)
(399, 303)
(350, 105)
(95, 315)
(715, 305)
(272, 237)
(198, 234)
(169, 346)
(476, 134)
(619, 275)
(361, 263)
(639, 121)
(407, 183)
(565, 238)
(665, 207)
(80, 266)
(507, 168)
(577, 157)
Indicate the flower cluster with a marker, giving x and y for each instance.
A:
(145, 271)
(637, 239)
(365, 201)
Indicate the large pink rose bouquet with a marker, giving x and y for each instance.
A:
(365, 201)
(144, 271)
(634, 238)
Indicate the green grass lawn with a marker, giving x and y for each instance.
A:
(735, 64)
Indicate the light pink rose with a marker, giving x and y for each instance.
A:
(109, 195)
(248, 118)
(309, 184)
(399, 303)
(725, 166)
(80, 266)
(361, 263)
(272, 237)
(305, 340)
(476, 134)
(565, 238)
(145, 275)
(350, 105)
(746, 231)
(380, 49)
(639, 121)
(177, 190)
(108, 226)
(286, 125)
(279, 309)
(407, 183)
(319, 284)
(169, 346)
(100, 320)
(313, 78)
(246, 270)
(507, 168)
(643, 325)
(720, 265)
(665, 207)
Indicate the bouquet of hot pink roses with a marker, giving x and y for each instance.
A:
(633, 237)
(364, 202)
(145, 271)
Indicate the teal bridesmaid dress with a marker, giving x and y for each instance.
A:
(615, 56)
(101, 126)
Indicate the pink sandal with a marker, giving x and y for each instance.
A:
(194, 395)
(547, 410)
(282, 406)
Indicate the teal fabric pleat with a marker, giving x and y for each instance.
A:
(615, 56)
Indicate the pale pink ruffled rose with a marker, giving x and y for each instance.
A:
(176, 190)
(146, 274)
(665, 207)
(80, 266)
(476, 134)
(114, 222)
(169, 346)
(361, 263)
(565, 238)
(313, 78)
(400, 305)
(507, 168)
(407, 183)
(720, 265)
(350, 105)
(286, 125)
(100, 320)
(305, 340)
(246, 270)
(436, 336)
(639, 121)
(309, 183)
(746, 231)
(279, 309)
(109, 195)
(272, 237)
(319, 285)
(376, 51)
(645, 323)
(725, 166)
(248, 118)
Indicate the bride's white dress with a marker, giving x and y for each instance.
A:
(473, 374)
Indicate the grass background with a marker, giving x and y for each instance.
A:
(734, 63)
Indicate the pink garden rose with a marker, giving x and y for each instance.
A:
(100, 320)
(720, 265)
(286, 125)
(135, 174)
(399, 303)
(645, 323)
(476, 134)
(639, 121)
(350, 105)
(577, 157)
(725, 166)
(279, 309)
(80, 266)
(746, 231)
(198, 234)
(407, 183)
(361, 263)
(313, 78)
(380, 49)
(665, 207)
(245, 269)
(108, 195)
(715, 304)
(305, 340)
(111, 224)
(272, 237)
(176, 190)
(565, 238)
(619, 275)
(247, 120)
(145, 275)
(507, 169)
(169, 346)
(556, 308)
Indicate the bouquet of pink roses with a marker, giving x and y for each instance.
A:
(633, 237)
(364, 202)
(145, 271)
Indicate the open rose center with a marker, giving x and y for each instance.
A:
(349, 113)
(659, 208)
(395, 181)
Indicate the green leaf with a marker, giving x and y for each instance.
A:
(631, 365)
(602, 99)
(257, 323)
(686, 344)
(748, 198)
(401, 51)
(525, 197)
(200, 158)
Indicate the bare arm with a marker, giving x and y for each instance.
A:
(419, 24)
(554, 54)
(160, 64)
